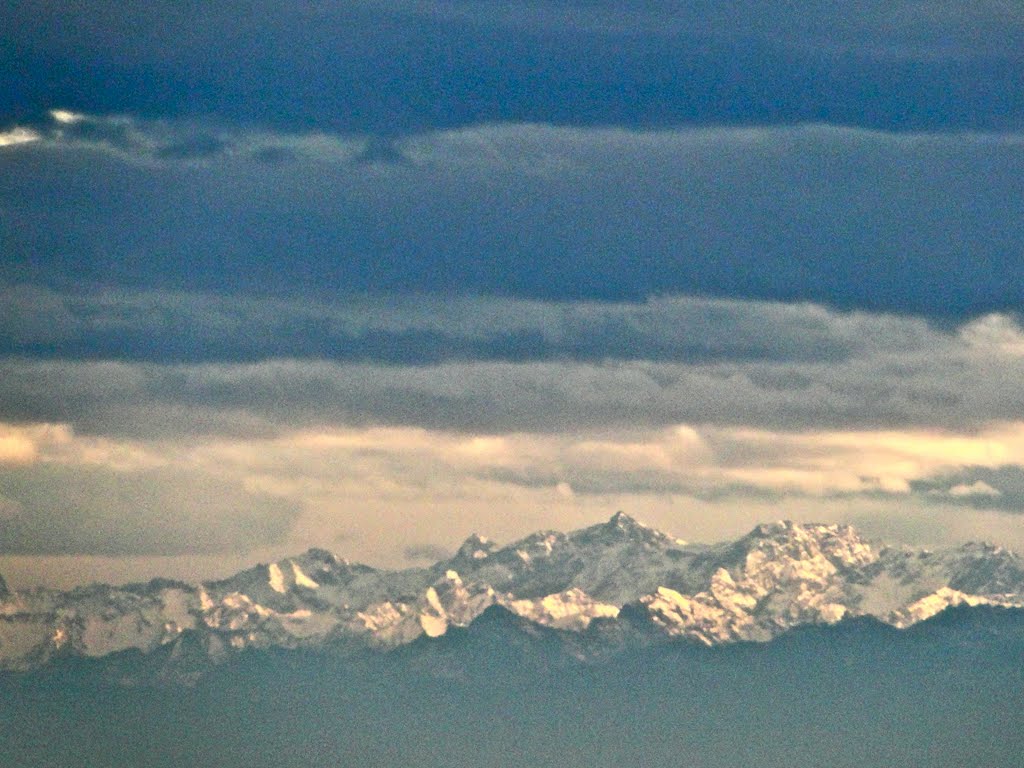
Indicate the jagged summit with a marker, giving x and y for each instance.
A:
(475, 547)
(840, 544)
(776, 528)
(623, 528)
(623, 522)
(321, 555)
(789, 529)
(631, 579)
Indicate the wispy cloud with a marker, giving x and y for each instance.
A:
(994, 486)
(181, 141)
(18, 135)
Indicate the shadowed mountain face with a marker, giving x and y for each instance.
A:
(505, 692)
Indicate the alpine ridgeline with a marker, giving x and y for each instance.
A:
(608, 583)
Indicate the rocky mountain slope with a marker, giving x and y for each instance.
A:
(601, 579)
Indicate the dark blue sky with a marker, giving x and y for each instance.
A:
(398, 67)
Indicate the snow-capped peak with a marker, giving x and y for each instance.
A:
(779, 575)
(841, 545)
(621, 524)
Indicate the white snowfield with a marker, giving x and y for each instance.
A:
(779, 576)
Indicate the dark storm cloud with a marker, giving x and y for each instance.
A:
(404, 66)
(74, 509)
(918, 223)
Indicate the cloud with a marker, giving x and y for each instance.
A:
(17, 136)
(15, 448)
(67, 117)
(977, 488)
(33, 315)
(896, 29)
(934, 27)
(174, 142)
(772, 368)
(781, 404)
(907, 223)
(996, 487)
(64, 493)
(758, 365)
(998, 334)
(23, 444)
(390, 492)
(195, 327)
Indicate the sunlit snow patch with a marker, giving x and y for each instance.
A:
(276, 579)
(301, 579)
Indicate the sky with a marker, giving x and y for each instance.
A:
(375, 276)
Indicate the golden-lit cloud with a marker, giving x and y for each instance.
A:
(24, 444)
(18, 136)
(383, 491)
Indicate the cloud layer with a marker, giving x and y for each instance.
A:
(692, 412)
(496, 366)
(910, 223)
(387, 494)
(163, 326)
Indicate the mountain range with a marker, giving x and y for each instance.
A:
(600, 589)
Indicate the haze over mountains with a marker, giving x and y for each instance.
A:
(608, 586)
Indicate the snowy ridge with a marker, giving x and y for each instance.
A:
(779, 576)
